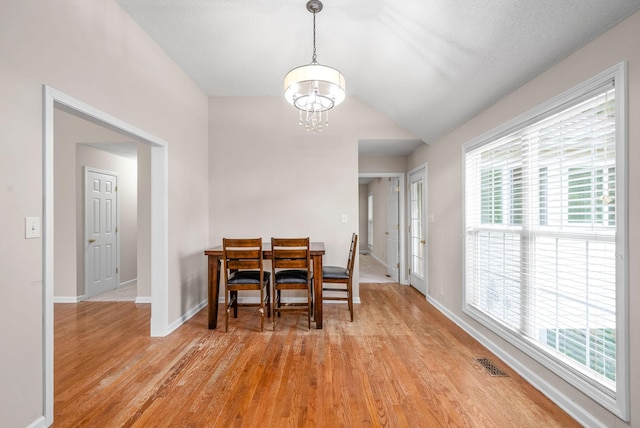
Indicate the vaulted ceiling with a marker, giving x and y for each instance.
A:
(430, 65)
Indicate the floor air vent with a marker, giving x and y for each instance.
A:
(490, 367)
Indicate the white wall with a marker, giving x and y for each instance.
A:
(93, 52)
(382, 164)
(445, 196)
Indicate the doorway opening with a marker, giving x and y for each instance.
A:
(401, 256)
(53, 99)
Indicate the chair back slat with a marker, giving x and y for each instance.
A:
(242, 242)
(352, 253)
(290, 242)
(242, 253)
(290, 264)
(243, 264)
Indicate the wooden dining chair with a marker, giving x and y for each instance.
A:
(291, 266)
(244, 270)
(341, 278)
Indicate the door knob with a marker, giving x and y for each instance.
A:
(422, 241)
(91, 241)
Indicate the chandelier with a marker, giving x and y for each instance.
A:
(314, 89)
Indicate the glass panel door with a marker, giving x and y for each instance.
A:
(417, 231)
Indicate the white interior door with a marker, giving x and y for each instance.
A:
(101, 227)
(418, 230)
(393, 229)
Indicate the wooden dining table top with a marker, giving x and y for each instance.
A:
(315, 248)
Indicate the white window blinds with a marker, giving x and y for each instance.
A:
(540, 235)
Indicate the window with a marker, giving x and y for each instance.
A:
(544, 236)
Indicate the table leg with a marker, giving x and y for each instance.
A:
(317, 280)
(214, 290)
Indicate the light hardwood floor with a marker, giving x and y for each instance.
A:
(399, 364)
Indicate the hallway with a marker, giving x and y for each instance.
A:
(372, 270)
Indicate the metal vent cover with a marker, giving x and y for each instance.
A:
(490, 367)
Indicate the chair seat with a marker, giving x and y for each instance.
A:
(248, 277)
(334, 272)
(291, 276)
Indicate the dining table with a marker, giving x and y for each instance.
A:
(214, 257)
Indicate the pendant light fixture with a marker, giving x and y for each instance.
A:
(314, 89)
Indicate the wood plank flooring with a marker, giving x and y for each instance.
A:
(399, 364)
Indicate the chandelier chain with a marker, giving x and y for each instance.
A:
(313, 58)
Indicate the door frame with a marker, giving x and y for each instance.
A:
(51, 99)
(85, 171)
(404, 279)
(425, 220)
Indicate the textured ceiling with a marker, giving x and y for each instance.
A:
(430, 65)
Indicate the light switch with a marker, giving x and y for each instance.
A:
(345, 218)
(31, 227)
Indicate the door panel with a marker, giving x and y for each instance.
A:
(101, 261)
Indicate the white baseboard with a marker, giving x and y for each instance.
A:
(67, 299)
(123, 284)
(564, 402)
(184, 318)
(378, 260)
(38, 423)
(77, 299)
(143, 299)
